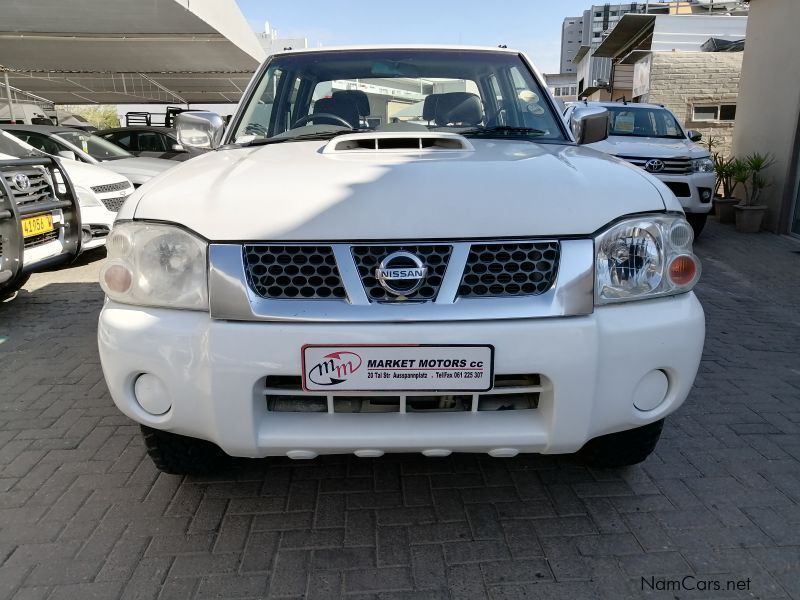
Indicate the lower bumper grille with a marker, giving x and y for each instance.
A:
(510, 392)
(113, 204)
(680, 189)
(38, 240)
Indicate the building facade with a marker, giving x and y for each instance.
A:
(768, 108)
(571, 40)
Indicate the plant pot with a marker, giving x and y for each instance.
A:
(724, 208)
(748, 218)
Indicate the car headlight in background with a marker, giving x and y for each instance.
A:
(152, 264)
(702, 165)
(87, 198)
(645, 257)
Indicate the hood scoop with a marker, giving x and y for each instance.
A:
(354, 143)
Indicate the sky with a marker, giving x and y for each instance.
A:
(533, 26)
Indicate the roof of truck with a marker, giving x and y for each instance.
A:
(402, 47)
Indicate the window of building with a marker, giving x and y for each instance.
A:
(714, 112)
(598, 14)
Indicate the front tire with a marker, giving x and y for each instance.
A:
(697, 221)
(12, 286)
(622, 449)
(180, 455)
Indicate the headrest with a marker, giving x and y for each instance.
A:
(341, 107)
(359, 97)
(453, 107)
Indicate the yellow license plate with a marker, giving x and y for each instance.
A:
(37, 225)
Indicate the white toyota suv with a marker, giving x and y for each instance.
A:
(399, 249)
(650, 137)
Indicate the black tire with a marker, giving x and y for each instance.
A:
(180, 455)
(697, 221)
(622, 449)
(12, 286)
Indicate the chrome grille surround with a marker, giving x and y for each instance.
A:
(293, 271)
(678, 165)
(111, 187)
(509, 269)
(39, 190)
(434, 256)
(232, 295)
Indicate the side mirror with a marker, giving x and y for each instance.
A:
(199, 129)
(693, 135)
(178, 148)
(589, 124)
(67, 154)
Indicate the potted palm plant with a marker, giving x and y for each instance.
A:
(750, 213)
(730, 172)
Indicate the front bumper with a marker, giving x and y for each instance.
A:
(693, 202)
(96, 224)
(214, 374)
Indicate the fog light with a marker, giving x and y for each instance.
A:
(651, 391)
(705, 195)
(151, 394)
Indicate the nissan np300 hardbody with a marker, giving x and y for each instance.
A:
(399, 250)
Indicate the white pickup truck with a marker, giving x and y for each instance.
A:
(399, 249)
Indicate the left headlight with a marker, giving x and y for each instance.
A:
(152, 264)
(702, 165)
(87, 198)
(645, 257)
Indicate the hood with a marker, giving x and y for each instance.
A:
(139, 169)
(649, 147)
(295, 191)
(87, 176)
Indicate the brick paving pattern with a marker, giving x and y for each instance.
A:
(84, 514)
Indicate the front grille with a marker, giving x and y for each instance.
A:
(680, 165)
(42, 238)
(284, 393)
(434, 257)
(111, 187)
(38, 189)
(680, 189)
(113, 204)
(281, 272)
(510, 269)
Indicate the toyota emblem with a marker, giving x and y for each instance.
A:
(401, 273)
(21, 182)
(654, 165)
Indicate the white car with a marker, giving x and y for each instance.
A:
(100, 192)
(483, 282)
(86, 147)
(651, 137)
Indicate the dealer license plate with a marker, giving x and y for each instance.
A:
(37, 225)
(409, 368)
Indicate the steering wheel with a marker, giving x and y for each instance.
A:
(311, 117)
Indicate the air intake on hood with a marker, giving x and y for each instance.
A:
(398, 142)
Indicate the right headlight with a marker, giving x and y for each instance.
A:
(153, 264)
(87, 198)
(645, 257)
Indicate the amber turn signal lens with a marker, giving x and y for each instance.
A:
(682, 270)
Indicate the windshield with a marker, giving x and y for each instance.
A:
(476, 93)
(642, 122)
(94, 146)
(18, 149)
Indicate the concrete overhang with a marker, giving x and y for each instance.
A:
(118, 51)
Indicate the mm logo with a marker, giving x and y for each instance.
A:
(334, 368)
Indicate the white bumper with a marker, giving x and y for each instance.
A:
(96, 222)
(693, 203)
(214, 374)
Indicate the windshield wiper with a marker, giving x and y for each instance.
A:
(321, 135)
(504, 130)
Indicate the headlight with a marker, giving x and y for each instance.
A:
(86, 198)
(703, 165)
(155, 265)
(645, 257)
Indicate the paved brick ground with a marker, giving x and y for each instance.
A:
(83, 513)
